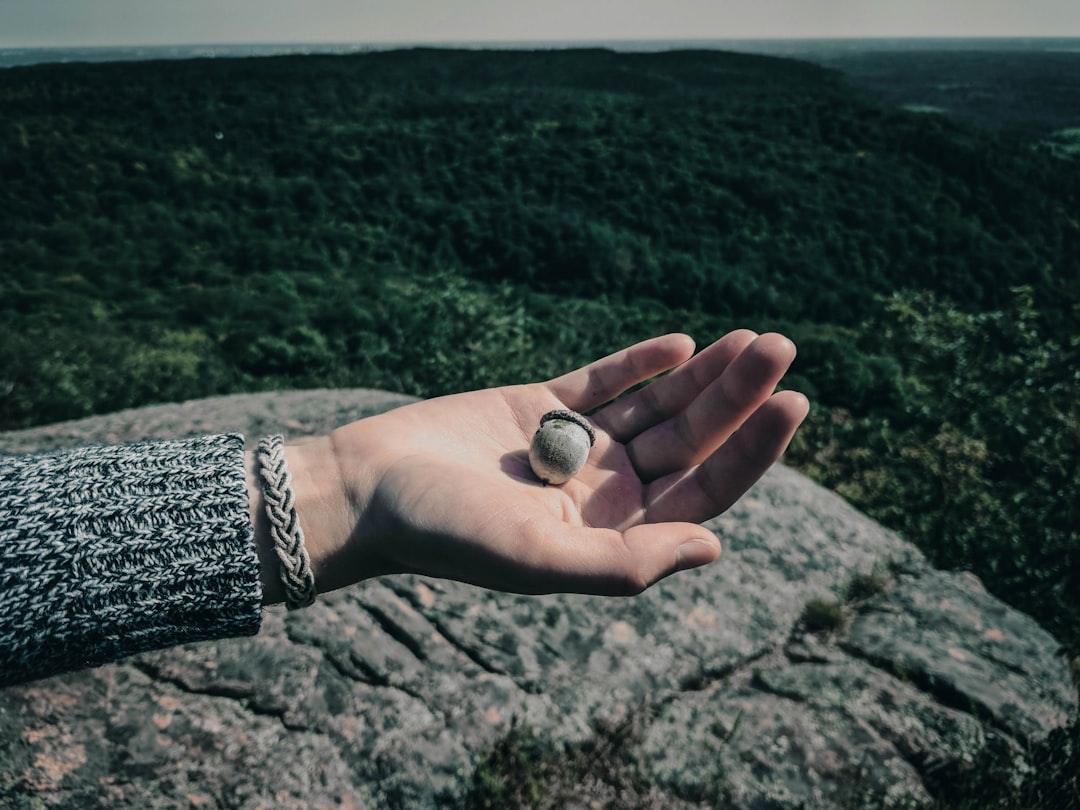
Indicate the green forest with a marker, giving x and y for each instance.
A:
(429, 221)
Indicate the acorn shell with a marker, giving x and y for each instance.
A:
(560, 446)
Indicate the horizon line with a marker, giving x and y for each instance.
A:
(561, 42)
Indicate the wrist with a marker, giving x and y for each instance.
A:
(325, 513)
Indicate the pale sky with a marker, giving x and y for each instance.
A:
(165, 22)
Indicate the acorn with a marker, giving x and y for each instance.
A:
(560, 446)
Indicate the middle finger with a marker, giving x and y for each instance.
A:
(692, 435)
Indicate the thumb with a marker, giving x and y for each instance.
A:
(613, 563)
(665, 548)
(658, 550)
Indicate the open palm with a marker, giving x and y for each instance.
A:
(445, 487)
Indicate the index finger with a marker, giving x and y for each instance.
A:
(601, 381)
(707, 490)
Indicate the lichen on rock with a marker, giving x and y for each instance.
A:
(391, 694)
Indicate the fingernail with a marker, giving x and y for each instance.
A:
(695, 553)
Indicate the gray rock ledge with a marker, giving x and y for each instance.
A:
(386, 695)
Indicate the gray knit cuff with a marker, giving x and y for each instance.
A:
(111, 550)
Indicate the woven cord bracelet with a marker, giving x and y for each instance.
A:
(285, 525)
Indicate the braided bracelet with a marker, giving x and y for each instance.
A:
(295, 565)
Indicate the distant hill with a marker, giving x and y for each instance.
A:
(746, 186)
(1029, 87)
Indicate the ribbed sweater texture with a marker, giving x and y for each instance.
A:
(111, 550)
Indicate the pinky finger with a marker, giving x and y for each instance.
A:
(601, 381)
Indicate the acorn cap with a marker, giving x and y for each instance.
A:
(570, 416)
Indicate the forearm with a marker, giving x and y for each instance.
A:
(111, 550)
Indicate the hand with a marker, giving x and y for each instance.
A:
(443, 487)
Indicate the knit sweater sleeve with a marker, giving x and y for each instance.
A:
(111, 550)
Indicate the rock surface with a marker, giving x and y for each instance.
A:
(820, 663)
